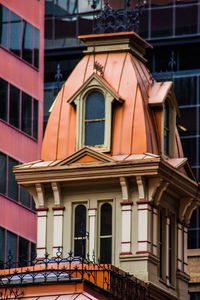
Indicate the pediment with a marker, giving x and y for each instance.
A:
(84, 156)
(94, 81)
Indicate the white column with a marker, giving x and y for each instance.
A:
(144, 210)
(185, 234)
(41, 231)
(92, 226)
(155, 232)
(58, 213)
(126, 208)
(180, 246)
(167, 249)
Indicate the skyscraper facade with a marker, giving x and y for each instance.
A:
(21, 114)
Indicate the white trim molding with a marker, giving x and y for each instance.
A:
(41, 231)
(58, 214)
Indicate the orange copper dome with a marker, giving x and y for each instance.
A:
(136, 124)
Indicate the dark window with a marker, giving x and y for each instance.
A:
(35, 119)
(2, 247)
(27, 42)
(161, 242)
(36, 47)
(188, 24)
(3, 173)
(166, 128)
(161, 22)
(12, 183)
(26, 113)
(194, 230)
(94, 119)
(106, 234)
(11, 250)
(25, 197)
(188, 121)
(186, 90)
(14, 117)
(195, 296)
(15, 34)
(4, 26)
(80, 231)
(4, 99)
(190, 149)
(23, 252)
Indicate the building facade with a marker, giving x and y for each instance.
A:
(21, 115)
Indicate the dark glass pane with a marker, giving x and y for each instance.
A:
(80, 221)
(143, 25)
(95, 106)
(105, 250)
(2, 247)
(33, 251)
(36, 47)
(23, 252)
(14, 118)
(79, 247)
(161, 22)
(15, 34)
(85, 25)
(191, 61)
(192, 239)
(4, 26)
(186, 90)
(161, 2)
(193, 220)
(4, 99)
(27, 42)
(3, 172)
(12, 183)
(195, 296)
(24, 197)
(94, 133)
(11, 250)
(188, 121)
(60, 30)
(33, 204)
(188, 24)
(106, 219)
(26, 113)
(189, 149)
(35, 119)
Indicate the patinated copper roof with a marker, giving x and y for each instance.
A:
(134, 126)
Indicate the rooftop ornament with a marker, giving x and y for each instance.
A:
(117, 20)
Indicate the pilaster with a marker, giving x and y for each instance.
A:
(92, 226)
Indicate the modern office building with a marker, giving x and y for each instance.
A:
(21, 115)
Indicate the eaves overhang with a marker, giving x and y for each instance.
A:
(75, 173)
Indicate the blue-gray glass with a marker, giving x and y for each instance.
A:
(36, 47)
(95, 106)
(15, 34)
(4, 26)
(11, 250)
(4, 99)
(23, 252)
(80, 221)
(106, 219)
(25, 197)
(27, 45)
(94, 133)
(26, 113)
(2, 247)
(3, 173)
(12, 183)
(14, 116)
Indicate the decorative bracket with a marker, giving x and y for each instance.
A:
(40, 195)
(56, 192)
(141, 188)
(124, 187)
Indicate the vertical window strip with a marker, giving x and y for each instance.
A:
(105, 235)
(80, 224)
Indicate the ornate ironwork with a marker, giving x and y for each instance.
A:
(116, 20)
(119, 284)
(10, 292)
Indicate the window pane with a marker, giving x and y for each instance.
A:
(4, 26)
(161, 22)
(12, 183)
(36, 47)
(3, 173)
(106, 219)
(80, 221)
(186, 90)
(79, 247)
(23, 252)
(14, 106)
(27, 45)
(26, 113)
(94, 133)
(188, 24)
(192, 239)
(33, 251)
(105, 250)
(15, 34)
(189, 149)
(35, 119)
(188, 121)
(11, 250)
(4, 99)
(24, 197)
(193, 220)
(95, 106)
(2, 247)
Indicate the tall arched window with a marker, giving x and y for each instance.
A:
(106, 234)
(94, 119)
(80, 231)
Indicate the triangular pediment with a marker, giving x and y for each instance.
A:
(84, 156)
(94, 81)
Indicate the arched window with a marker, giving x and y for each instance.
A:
(106, 234)
(94, 119)
(80, 231)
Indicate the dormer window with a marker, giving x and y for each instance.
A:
(94, 119)
(166, 129)
(169, 121)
